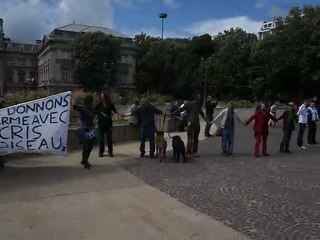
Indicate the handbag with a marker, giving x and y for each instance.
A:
(218, 132)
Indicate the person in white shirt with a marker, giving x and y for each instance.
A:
(228, 117)
(312, 123)
(273, 112)
(133, 119)
(303, 120)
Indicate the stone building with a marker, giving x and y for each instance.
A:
(54, 58)
(47, 63)
(18, 63)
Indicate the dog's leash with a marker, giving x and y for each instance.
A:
(164, 120)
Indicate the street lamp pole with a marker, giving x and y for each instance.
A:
(162, 16)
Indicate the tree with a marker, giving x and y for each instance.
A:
(228, 68)
(94, 58)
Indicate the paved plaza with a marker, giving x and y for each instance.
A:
(270, 198)
(210, 197)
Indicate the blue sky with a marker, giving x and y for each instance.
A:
(30, 19)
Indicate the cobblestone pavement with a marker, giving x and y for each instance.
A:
(270, 198)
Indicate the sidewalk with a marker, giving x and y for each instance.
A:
(55, 198)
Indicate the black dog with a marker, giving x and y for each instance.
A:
(178, 148)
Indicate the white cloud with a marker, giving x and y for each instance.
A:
(214, 26)
(137, 3)
(171, 3)
(30, 19)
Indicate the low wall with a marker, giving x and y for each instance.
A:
(120, 133)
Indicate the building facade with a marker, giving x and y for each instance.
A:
(266, 29)
(54, 58)
(18, 64)
(47, 63)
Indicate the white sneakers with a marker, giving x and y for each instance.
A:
(302, 147)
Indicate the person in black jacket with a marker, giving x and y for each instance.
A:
(105, 110)
(289, 118)
(86, 131)
(146, 121)
(210, 105)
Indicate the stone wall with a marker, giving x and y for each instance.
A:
(121, 133)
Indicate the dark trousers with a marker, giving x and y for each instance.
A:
(87, 146)
(208, 125)
(193, 137)
(147, 133)
(312, 132)
(108, 133)
(261, 137)
(302, 129)
(284, 146)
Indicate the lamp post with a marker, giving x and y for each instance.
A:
(205, 67)
(162, 16)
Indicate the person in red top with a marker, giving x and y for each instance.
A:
(261, 129)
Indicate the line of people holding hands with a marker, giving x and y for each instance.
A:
(145, 113)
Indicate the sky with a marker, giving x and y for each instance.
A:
(28, 20)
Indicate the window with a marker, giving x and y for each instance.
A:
(13, 62)
(22, 77)
(9, 76)
(65, 76)
(123, 59)
(270, 24)
(123, 78)
(9, 46)
(22, 48)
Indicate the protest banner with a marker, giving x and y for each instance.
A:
(39, 126)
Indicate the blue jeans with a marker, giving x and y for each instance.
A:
(227, 139)
(147, 133)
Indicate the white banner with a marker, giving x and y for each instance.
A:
(39, 126)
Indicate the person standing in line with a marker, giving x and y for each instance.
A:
(303, 120)
(312, 123)
(261, 129)
(86, 131)
(133, 119)
(273, 112)
(210, 105)
(183, 118)
(193, 110)
(147, 124)
(228, 117)
(289, 118)
(174, 108)
(105, 109)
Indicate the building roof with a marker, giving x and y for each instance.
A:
(86, 28)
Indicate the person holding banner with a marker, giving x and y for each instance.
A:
(3, 103)
(86, 132)
(104, 110)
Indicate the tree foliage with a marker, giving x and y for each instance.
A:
(285, 64)
(95, 56)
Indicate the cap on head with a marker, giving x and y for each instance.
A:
(291, 104)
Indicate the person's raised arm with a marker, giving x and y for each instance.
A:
(218, 117)
(250, 119)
